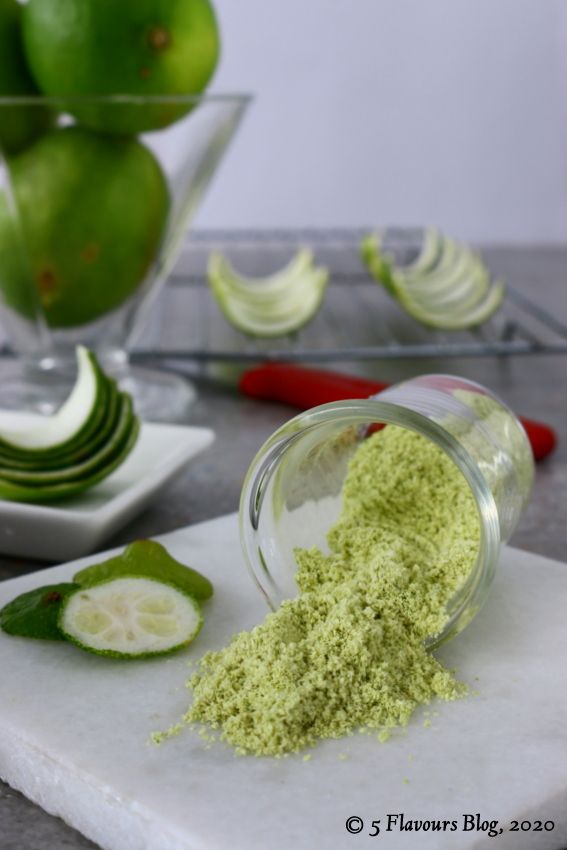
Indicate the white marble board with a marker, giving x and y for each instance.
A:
(74, 733)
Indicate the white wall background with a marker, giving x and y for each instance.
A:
(397, 111)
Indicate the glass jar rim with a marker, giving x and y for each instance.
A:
(359, 411)
(123, 98)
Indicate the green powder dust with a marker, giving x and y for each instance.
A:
(348, 653)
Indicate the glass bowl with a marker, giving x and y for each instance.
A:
(91, 224)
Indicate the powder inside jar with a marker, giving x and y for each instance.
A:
(348, 653)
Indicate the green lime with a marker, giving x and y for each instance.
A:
(35, 614)
(134, 47)
(19, 124)
(93, 211)
(151, 559)
(130, 617)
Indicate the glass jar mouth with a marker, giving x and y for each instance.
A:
(470, 597)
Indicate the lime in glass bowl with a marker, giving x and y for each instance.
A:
(91, 224)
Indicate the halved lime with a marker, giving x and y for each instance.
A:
(130, 617)
(148, 558)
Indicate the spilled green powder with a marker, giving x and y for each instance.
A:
(348, 652)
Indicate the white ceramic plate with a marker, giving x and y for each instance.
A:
(76, 526)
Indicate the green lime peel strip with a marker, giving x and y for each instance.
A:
(447, 287)
(35, 614)
(273, 306)
(44, 493)
(105, 424)
(119, 432)
(71, 421)
(50, 462)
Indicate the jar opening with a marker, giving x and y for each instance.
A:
(304, 466)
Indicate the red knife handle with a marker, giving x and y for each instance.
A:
(304, 388)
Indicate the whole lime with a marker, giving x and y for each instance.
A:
(125, 47)
(91, 212)
(19, 124)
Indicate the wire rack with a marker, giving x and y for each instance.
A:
(358, 321)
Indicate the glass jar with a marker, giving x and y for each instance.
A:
(292, 492)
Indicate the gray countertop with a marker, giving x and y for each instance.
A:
(534, 386)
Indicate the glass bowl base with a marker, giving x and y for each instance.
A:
(158, 396)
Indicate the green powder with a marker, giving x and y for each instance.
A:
(348, 654)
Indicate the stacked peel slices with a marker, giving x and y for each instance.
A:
(271, 306)
(446, 286)
(71, 451)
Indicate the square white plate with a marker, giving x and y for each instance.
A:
(76, 526)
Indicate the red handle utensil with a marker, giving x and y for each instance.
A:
(304, 388)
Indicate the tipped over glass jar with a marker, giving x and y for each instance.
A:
(291, 496)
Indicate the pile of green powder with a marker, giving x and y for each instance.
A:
(348, 652)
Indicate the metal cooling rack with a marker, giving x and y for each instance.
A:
(358, 321)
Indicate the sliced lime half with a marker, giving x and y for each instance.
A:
(130, 617)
